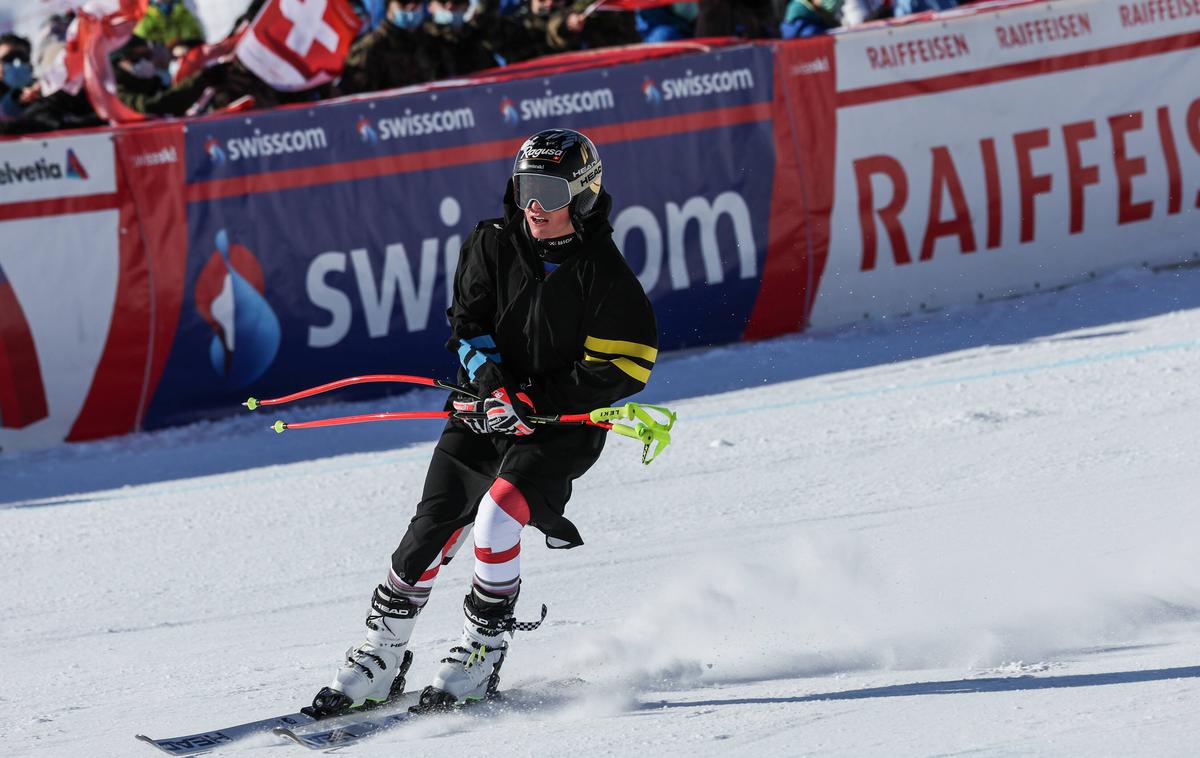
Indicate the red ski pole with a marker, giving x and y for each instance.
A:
(253, 403)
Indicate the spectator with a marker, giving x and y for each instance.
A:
(666, 22)
(16, 74)
(42, 112)
(576, 29)
(810, 18)
(855, 12)
(463, 45)
(752, 19)
(396, 53)
(524, 33)
(167, 22)
(906, 7)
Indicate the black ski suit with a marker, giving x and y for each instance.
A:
(573, 337)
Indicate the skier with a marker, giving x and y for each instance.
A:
(547, 317)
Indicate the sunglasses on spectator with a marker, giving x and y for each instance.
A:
(15, 56)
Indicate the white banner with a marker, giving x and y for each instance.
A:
(1037, 158)
(50, 168)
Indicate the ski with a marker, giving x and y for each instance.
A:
(351, 730)
(194, 744)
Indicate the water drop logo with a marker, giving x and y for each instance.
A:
(75, 169)
(650, 91)
(366, 132)
(22, 393)
(509, 111)
(229, 297)
(215, 153)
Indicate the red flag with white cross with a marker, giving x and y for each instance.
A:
(298, 44)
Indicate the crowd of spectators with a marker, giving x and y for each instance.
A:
(415, 41)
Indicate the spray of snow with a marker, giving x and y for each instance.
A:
(825, 605)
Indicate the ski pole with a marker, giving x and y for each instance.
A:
(253, 403)
(650, 424)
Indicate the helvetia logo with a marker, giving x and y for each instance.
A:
(43, 170)
(366, 132)
(22, 393)
(650, 91)
(214, 150)
(229, 296)
(75, 169)
(508, 111)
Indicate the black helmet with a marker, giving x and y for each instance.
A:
(557, 167)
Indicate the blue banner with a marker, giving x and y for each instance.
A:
(322, 240)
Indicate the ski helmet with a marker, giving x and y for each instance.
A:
(557, 167)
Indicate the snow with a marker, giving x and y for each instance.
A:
(969, 531)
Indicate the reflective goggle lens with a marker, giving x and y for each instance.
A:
(551, 192)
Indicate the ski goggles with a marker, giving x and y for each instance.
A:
(551, 192)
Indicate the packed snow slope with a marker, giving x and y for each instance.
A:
(971, 531)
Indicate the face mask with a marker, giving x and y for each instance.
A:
(408, 19)
(143, 69)
(451, 18)
(687, 11)
(166, 6)
(18, 74)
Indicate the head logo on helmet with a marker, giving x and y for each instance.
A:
(558, 167)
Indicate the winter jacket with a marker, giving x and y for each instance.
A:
(389, 57)
(179, 26)
(577, 338)
(809, 18)
(461, 50)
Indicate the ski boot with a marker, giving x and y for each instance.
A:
(373, 672)
(472, 670)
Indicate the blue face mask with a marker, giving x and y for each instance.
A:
(18, 74)
(408, 19)
(449, 18)
(166, 6)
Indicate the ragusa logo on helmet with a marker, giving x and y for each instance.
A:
(542, 154)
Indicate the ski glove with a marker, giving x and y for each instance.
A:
(497, 414)
(507, 415)
(470, 413)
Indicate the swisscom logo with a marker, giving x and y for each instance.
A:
(697, 85)
(265, 144)
(556, 105)
(229, 295)
(43, 170)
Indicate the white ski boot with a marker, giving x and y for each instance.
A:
(373, 671)
(472, 670)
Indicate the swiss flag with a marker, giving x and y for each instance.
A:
(298, 44)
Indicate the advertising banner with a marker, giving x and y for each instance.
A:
(1005, 152)
(59, 268)
(322, 242)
